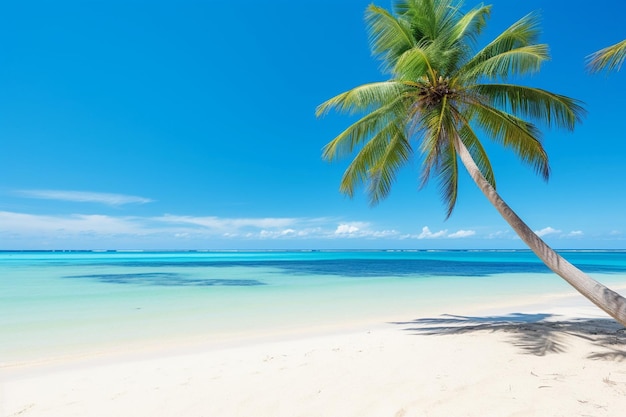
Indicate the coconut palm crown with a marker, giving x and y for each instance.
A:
(442, 93)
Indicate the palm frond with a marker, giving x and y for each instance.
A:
(448, 176)
(389, 36)
(445, 16)
(431, 122)
(609, 58)
(414, 64)
(524, 32)
(435, 28)
(438, 154)
(377, 163)
(362, 98)
(366, 127)
(421, 14)
(537, 104)
(383, 173)
(514, 133)
(516, 61)
(471, 24)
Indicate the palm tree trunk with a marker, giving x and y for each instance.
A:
(608, 300)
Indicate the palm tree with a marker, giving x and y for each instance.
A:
(609, 58)
(440, 95)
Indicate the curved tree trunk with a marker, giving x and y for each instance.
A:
(608, 300)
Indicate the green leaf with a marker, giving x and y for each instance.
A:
(609, 58)
(377, 163)
(472, 23)
(383, 172)
(521, 34)
(364, 128)
(518, 61)
(389, 36)
(514, 133)
(534, 103)
(363, 98)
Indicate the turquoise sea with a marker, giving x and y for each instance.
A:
(75, 302)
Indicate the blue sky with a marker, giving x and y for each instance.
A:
(190, 125)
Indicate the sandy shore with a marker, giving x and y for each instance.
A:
(555, 357)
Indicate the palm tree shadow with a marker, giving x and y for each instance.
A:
(534, 334)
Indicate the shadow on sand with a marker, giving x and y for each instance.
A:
(535, 334)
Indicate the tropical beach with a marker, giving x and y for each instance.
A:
(472, 341)
(371, 371)
(187, 228)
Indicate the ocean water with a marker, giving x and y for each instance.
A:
(71, 303)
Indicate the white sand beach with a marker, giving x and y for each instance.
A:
(556, 357)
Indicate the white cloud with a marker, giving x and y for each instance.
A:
(201, 230)
(427, 234)
(575, 233)
(56, 227)
(546, 231)
(500, 234)
(383, 233)
(346, 228)
(461, 234)
(84, 197)
(75, 224)
(361, 230)
(273, 234)
(228, 224)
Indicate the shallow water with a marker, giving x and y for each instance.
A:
(55, 303)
